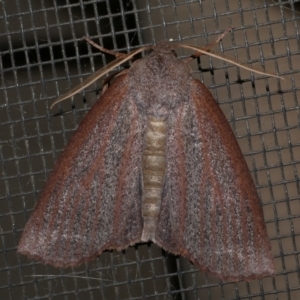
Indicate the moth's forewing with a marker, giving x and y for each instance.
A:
(91, 201)
(210, 211)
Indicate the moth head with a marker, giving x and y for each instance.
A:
(164, 48)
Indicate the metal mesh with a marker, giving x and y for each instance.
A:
(43, 55)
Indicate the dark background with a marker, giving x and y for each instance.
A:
(43, 56)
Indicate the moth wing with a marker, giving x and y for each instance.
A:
(91, 201)
(210, 210)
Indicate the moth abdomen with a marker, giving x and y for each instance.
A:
(154, 165)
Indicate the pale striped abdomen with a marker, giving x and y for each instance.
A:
(154, 165)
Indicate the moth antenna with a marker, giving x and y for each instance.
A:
(121, 58)
(99, 74)
(227, 59)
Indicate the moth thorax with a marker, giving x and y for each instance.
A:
(154, 165)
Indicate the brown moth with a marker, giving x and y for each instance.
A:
(154, 160)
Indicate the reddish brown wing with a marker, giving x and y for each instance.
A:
(210, 210)
(91, 201)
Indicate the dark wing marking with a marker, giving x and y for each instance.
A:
(91, 201)
(210, 209)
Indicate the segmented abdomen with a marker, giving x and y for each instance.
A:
(154, 164)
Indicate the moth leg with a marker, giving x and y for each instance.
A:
(219, 38)
(116, 54)
(209, 46)
(107, 80)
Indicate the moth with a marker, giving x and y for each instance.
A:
(154, 160)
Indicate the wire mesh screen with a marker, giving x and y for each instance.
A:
(43, 55)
